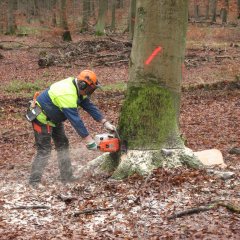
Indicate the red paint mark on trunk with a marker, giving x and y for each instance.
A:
(153, 55)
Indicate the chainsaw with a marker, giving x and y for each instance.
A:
(108, 142)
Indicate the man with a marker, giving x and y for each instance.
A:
(55, 105)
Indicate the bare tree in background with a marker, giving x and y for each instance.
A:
(238, 3)
(196, 10)
(113, 23)
(132, 16)
(214, 10)
(86, 14)
(224, 11)
(206, 9)
(63, 22)
(100, 26)
(11, 22)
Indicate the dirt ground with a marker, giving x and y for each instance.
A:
(135, 208)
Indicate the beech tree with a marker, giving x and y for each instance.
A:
(132, 15)
(148, 122)
(66, 36)
(214, 10)
(103, 4)
(11, 22)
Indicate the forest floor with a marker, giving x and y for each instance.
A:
(134, 208)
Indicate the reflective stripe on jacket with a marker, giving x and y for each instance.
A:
(60, 102)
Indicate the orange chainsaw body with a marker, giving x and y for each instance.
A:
(108, 143)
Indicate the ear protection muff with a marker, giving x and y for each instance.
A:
(82, 85)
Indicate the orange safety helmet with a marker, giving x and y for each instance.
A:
(87, 81)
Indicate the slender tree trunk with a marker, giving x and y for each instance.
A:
(132, 19)
(224, 11)
(113, 24)
(86, 14)
(54, 15)
(63, 22)
(196, 10)
(100, 27)
(238, 3)
(11, 23)
(214, 10)
(207, 10)
(119, 4)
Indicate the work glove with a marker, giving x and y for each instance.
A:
(109, 126)
(91, 145)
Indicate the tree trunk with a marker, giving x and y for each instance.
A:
(148, 123)
(224, 11)
(214, 10)
(54, 15)
(207, 10)
(132, 18)
(100, 27)
(143, 123)
(238, 3)
(119, 4)
(113, 24)
(86, 14)
(196, 10)
(11, 22)
(66, 36)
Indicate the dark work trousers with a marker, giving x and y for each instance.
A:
(43, 134)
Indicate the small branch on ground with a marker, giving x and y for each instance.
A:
(31, 207)
(91, 211)
(214, 205)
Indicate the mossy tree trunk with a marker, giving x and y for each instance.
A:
(149, 117)
(99, 30)
(148, 122)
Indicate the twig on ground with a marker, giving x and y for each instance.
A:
(214, 205)
(91, 211)
(31, 207)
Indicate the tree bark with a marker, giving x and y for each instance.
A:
(214, 10)
(224, 11)
(66, 36)
(11, 23)
(132, 18)
(86, 14)
(238, 4)
(143, 123)
(207, 10)
(113, 24)
(100, 27)
(196, 10)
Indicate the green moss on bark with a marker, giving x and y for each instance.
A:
(149, 118)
